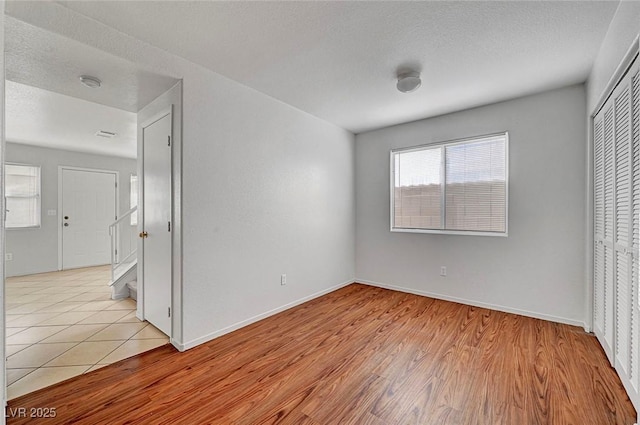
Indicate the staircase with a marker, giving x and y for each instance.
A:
(124, 260)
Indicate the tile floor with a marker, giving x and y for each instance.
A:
(64, 324)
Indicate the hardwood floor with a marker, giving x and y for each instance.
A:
(359, 355)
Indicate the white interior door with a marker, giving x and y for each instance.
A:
(88, 207)
(156, 218)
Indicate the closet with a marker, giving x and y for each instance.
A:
(616, 148)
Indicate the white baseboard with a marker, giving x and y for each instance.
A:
(474, 303)
(236, 326)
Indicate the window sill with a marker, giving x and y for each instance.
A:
(449, 232)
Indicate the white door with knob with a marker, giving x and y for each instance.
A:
(156, 222)
(88, 206)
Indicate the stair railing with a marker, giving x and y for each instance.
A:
(123, 243)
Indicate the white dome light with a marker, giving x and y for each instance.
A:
(90, 81)
(408, 82)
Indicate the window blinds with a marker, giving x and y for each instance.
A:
(455, 186)
(22, 194)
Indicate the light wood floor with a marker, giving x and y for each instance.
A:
(359, 355)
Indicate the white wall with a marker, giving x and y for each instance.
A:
(538, 270)
(624, 28)
(36, 250)
(266, 189)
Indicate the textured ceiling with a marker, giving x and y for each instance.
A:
(43, 118)
(47, 106)
(338, 60)
(43, 59)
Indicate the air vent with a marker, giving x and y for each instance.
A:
(107, 134)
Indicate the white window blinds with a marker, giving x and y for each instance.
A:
(133, 198)
(22, 194)
(451, 187)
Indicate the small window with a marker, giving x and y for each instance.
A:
(133, 198)
(22, 195)
(457, 187)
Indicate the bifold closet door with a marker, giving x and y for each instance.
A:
(616, 147)
(604, 218)
(634, 375)
(621, 221)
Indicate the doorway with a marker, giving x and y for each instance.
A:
(156, 221)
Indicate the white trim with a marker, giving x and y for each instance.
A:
(589, 298)
(243, 323)
(60, 214)
(474, 303)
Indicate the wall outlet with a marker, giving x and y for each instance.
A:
(8, 256)
(283, 279)
(443, 271)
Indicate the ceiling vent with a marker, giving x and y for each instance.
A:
(106, 134)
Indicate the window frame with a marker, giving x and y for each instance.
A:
(444, 144)
(38, 196)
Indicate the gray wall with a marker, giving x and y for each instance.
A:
(538, 270)
(36, 250)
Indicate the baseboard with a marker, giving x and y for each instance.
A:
(178, 345)
(236, 326)
(475, 303)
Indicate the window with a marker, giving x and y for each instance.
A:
(133, 198)
(457, 187)
(22, 195)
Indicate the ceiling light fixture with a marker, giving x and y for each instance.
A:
(89, 81)
(408, 81)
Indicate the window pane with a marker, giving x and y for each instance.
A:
(418, 189)
(22, 191)
(476, 185)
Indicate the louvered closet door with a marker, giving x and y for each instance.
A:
(607, 240)
(622, 221)
(634, 375)
(598, 254)
(616, 147)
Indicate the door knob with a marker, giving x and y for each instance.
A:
(66, 217)
(143, 234)
(66, 224)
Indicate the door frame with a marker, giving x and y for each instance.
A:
(61, 168)
(170, 101)
(141, 224)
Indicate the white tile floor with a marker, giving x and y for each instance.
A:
(64, 324)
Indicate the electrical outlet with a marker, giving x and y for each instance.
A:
(283, 279)
(8, 256)
(443, 271)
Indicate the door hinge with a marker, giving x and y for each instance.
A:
(168, 311)
(116, 252)
(168, 140)
(168, 226)
(116, 184)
